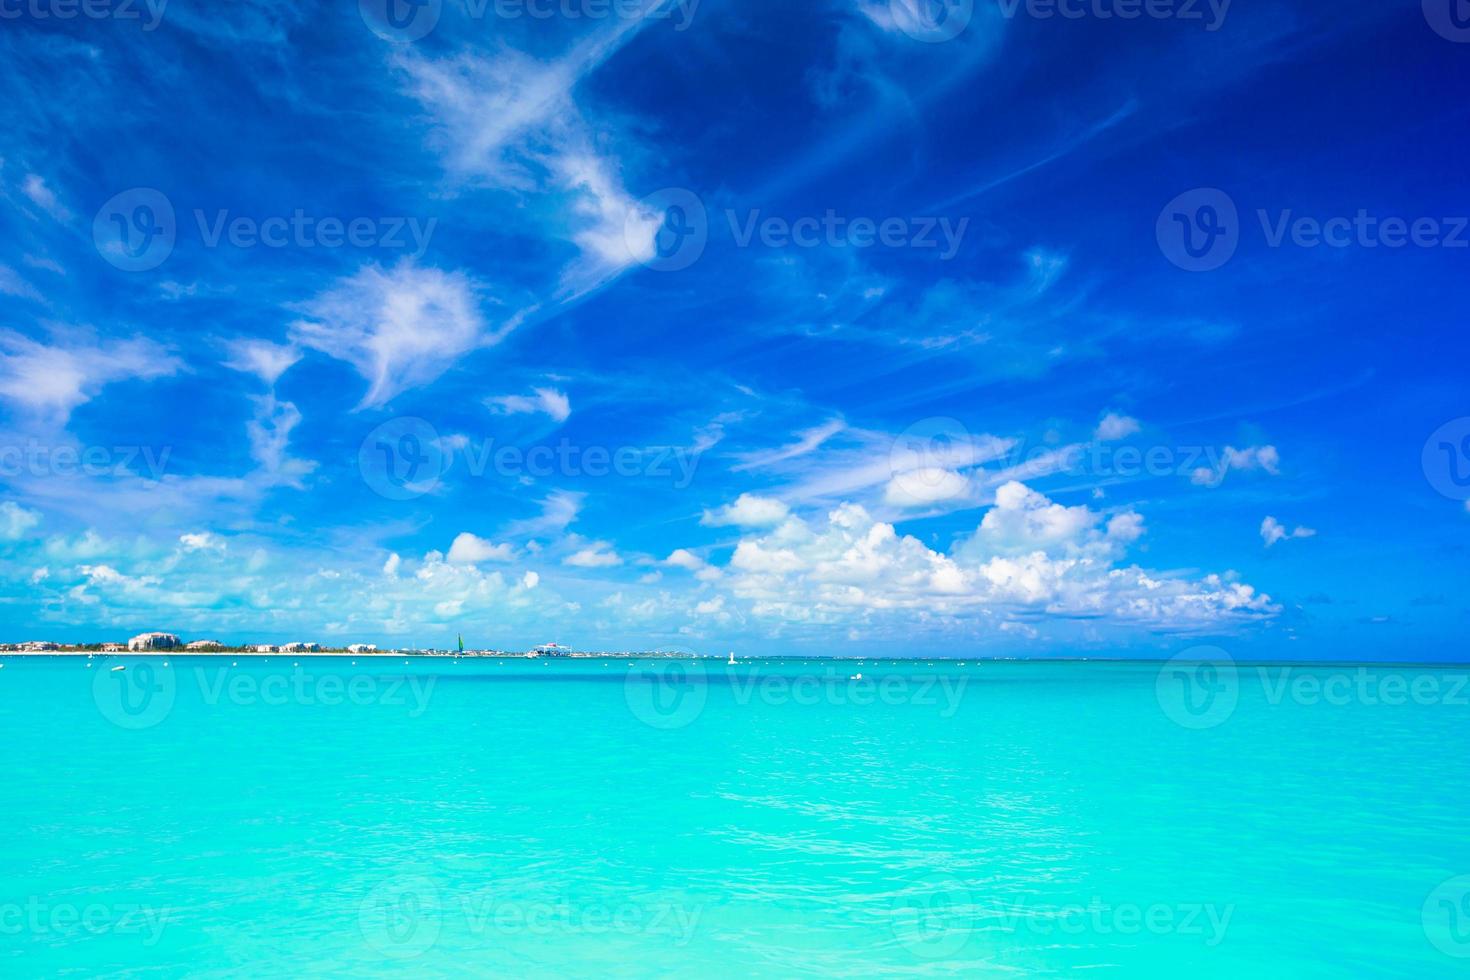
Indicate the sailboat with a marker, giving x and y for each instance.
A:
(731, 661)
(461, 644)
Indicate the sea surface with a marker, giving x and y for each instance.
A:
(283, 816)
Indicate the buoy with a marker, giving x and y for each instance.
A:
(857, 677)
(234, 663)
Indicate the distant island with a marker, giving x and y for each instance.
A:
(161, 642)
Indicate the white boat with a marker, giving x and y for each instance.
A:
(731, 661)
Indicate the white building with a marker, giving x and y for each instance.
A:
(204, 645)
(266, 648)
(301, 646)
(40, 645)
(363, 648)
(153, 641)
(113, 648)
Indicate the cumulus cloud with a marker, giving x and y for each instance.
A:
(598, 554)
(1273, 531)
(400, 328)
(689, 561)
(926, 486)
(1263, 458)
(201, 541)
(548, 401)
(1028, 554)
(683, 558)
(748, 510)
(468, 549)
(1114, 426)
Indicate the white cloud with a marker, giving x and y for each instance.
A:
(545, 400)
(558, 510)
(1027, 554)
(685, 559)
(1114, 426)
(748, 510)
(530, 580)
(1126, 527)
(689, 561)
(400, 328)
(52, 380)
(201, 541)
(1273, 531)
(12, 284)
(1263, 458)
(710, 607)
(391, 566)
(807, 441)
(42, 262)
(468, 549)
(512, 121)
(1023, 520)
(265, 360)
(35, 188)
(270, 435)
(16, 521)
(599, 554)
(925, 487)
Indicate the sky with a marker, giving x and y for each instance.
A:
(852, 327)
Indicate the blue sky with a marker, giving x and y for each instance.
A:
(839, 327)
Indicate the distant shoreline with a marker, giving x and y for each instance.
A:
(719, 659)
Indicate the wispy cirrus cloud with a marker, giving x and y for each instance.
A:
(400, 328)
(511, 121)
(546, 401)
(49, 380)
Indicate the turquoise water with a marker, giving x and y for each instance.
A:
(442, 818)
